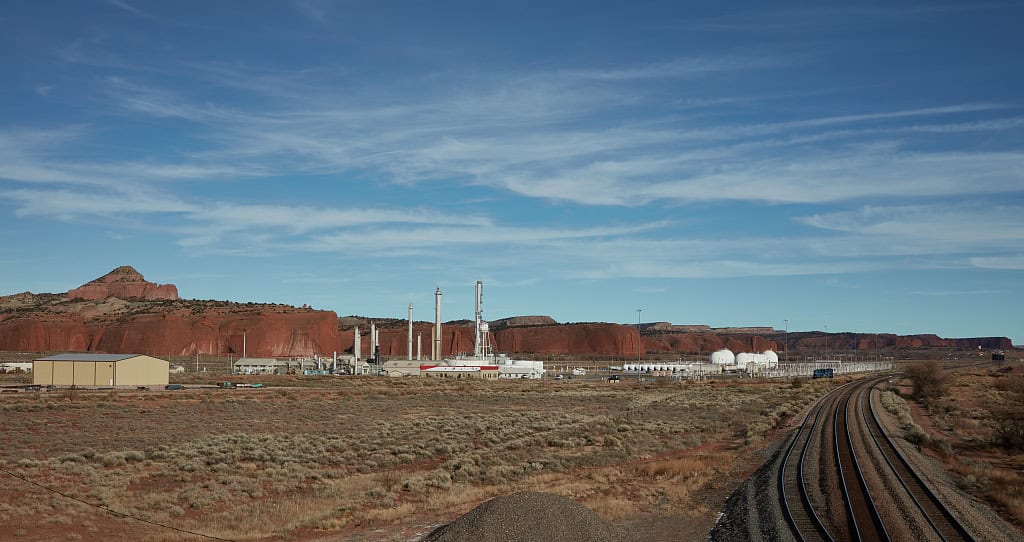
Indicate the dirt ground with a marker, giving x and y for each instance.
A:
(959, 429)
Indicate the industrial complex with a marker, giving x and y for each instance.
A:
(113, 370)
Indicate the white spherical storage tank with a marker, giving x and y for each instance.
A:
(743, 358)
(772, 358)
(723, 357)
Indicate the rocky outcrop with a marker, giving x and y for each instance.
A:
(124, 283)
(522, 321)
(122, 313)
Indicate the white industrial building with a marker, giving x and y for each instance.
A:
(260, 366)
(721, 361)
(15, 366)
(520, 368)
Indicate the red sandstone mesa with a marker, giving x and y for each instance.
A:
(122, 312)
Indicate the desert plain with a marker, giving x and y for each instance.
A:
(343, 458)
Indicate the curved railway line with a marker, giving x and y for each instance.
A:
(827, 462)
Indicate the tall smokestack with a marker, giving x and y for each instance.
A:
(477, 345)
(356, 347)
(419, 347)
(409, 348)
(373, 340)
(437, 325)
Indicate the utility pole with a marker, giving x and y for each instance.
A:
(787, 338)
(638, 311)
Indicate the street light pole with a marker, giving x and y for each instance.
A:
(826, 343)
(787, 338)
(638, 311)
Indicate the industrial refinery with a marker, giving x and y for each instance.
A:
(484, 362)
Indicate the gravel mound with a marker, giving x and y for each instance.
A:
(528, 516)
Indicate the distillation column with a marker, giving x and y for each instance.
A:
(409, 347)
(436, 350)
(477, 344)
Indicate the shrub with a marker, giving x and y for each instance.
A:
(112, 459)
(1008, 414)
(929, 379)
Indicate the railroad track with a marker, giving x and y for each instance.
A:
(935, 513)
(801, 518)
(828, 451)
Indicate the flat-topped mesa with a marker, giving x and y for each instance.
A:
(124, 283)
(524, 321)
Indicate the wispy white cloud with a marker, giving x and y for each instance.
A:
(71, 205)
(684, 68)
(528, 139)
(974, 224)
(382, 240)
(121, 4)
(944, 293)
(1012, 262)
(554, 134)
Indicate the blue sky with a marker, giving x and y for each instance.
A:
(855, 166)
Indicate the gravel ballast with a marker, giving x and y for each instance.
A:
(528, 516)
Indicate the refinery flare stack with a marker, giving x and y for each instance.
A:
(484, 362)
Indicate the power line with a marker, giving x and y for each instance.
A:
(111, 510)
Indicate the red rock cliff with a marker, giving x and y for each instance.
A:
(121, 313)
(611, 340)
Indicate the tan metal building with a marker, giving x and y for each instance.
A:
(402, 367)
(100, 370)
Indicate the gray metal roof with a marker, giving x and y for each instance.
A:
(89, 357)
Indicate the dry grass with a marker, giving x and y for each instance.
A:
(257, 464)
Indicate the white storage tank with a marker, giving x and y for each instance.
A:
(723, 357)
(743, 358)
(773, 359)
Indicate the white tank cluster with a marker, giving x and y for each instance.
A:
(765, 360)
(723, 357)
